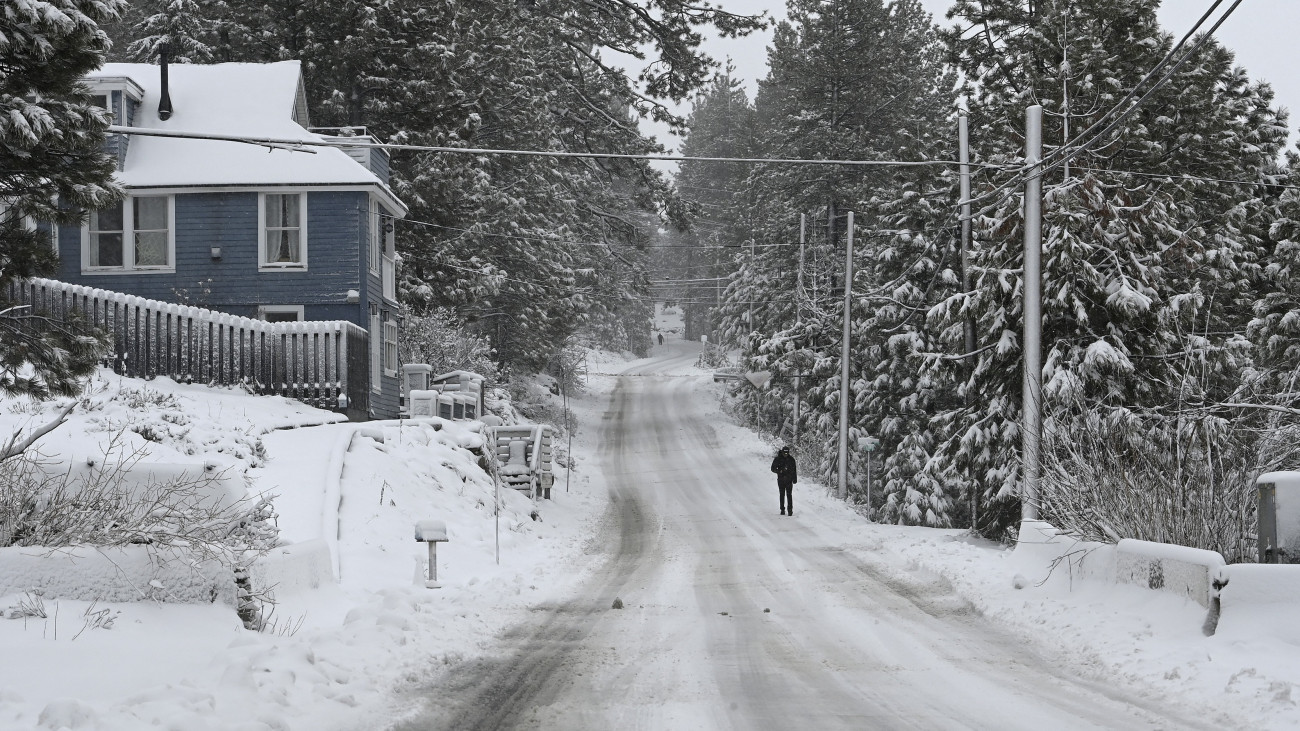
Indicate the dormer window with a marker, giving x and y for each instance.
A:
(120, 95)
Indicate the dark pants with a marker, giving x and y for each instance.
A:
(787, 496)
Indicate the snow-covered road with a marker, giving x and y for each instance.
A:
(735, 617)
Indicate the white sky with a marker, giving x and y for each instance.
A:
(1259, 31)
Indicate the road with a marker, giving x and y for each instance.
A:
(736, 617)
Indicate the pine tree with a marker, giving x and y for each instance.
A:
(1140, 263)
(856, 79)
(527, 249)
(52, 152)
(721, 124)
(184, 25)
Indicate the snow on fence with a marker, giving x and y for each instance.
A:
(313, 362)
(1180, 570)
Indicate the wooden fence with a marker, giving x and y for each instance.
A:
(313, 362)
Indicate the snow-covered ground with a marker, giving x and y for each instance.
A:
(341, 654)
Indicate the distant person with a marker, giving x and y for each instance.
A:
(786, 476)
(661, 338)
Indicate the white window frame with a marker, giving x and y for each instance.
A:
(389, 323)
(264, 310)
(376, 248)
(128, 265)
(376, 350)
(262, 264)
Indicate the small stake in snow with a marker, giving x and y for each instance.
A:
(431, 532)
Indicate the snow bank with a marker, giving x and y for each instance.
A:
(128, 574)
(298, 567)
(1260, 599)
(1044, 554)
(1177, 569)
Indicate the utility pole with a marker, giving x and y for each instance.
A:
(963, 157)
(798, 277)
(798, 316)
(844, 364)
(751, 297)
(1031, 436)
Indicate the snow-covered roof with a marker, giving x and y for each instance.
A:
(251, 99)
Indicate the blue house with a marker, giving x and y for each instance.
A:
(276, 233)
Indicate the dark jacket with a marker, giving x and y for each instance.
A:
(784, 467)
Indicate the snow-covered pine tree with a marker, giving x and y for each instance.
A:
(52, 152)
(721, 124)
(853, 79)
(186, 26)
(1147, 273)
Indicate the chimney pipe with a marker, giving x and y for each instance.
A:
(165, 100)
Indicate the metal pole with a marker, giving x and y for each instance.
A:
(796, 410)
(844, 364)
(496, 481)
(433, 561)
(868, 482)
(751, 274)
(798, 313)
(1031, 437)
(963, 157)
(798, 286)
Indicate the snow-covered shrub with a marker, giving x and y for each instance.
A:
(1185, 478)
(439, 339)
(42, 504)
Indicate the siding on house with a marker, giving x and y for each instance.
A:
(115, 145)
(379, 164)
(335, 241)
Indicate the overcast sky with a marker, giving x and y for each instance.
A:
(1259, 31)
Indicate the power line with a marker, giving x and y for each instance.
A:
(295, 145)
(1066, 153)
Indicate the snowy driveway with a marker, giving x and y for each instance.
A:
(736, 617)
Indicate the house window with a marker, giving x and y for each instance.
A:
(106, 237)
(376, 238)
(284, 231)
(150, 230)
(390, 344)
(376, 349)
(280, 313)
(134, 235)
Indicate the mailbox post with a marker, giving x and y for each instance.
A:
(868, 445)
(431, 532)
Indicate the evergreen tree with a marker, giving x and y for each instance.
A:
(52, 154)
(183, 25)
(1148, 275)
(854, 79)
(721, 124)
(527, 249)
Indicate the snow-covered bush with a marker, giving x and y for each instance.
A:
(1185, 478)
(439, 339)
(48, 505)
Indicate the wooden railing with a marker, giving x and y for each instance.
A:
(319, 363)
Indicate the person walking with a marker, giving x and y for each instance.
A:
(661, 338)
(786, 476)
